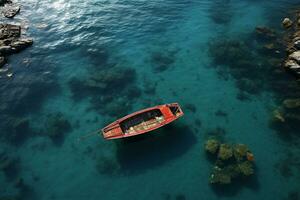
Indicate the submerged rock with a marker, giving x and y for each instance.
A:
(287, 23)
(225, 152)
(265, 33)
(212, 146)
(112, 78)
(219, 176)
(291, 103)
(233, 161)
(246, 168)
(56, 126)
(240, 151)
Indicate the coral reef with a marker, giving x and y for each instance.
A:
(109, 79)
(225, 152)
(232, 161)
(56, 126)
(212, 146)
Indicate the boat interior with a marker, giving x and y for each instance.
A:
(175, 110)
(142, 121)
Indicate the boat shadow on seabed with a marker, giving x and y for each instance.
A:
(139, 153)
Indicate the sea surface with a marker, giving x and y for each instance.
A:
(94, 61)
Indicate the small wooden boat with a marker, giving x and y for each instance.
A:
(142, 121)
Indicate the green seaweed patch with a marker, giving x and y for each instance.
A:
(231, 161)
(212, 146)
(225, 152)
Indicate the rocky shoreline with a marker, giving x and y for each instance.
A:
(292, 62)
(11, 41)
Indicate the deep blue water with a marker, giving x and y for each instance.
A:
(161, 50)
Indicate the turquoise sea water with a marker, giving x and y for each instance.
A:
(159, 53)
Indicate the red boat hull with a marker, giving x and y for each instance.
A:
(143, 121)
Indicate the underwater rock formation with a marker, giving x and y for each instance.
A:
(111, 78)
(212, 146)
(111, 90)
(225, 152)
(232, 161)
(291, 103)
(57, 126)
(264, 33)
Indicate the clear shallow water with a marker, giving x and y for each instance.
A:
(74, 39)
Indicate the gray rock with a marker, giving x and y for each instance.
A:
(22, 44)
(295, 56)
(287, 23)
(297, 44)
(290, 64)
(11, 10)
(9, 31)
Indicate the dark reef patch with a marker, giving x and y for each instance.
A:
(162, 60)
(233, 162)
(55, 127)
